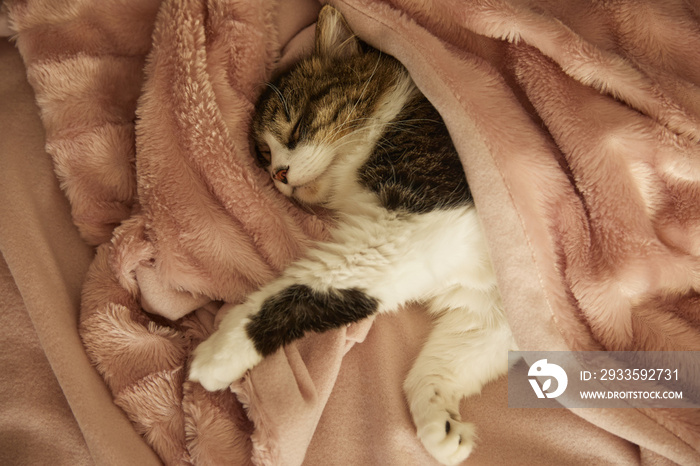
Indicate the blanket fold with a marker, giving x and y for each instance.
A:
(578, 127)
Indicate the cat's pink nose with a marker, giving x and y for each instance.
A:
(281, 174)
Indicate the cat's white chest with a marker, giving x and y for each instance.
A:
(409, 257)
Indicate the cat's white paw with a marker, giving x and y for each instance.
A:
(447, 439)
(223, 358)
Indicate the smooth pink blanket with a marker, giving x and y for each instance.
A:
(578, 126)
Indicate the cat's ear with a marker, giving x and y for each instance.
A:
(334, 38)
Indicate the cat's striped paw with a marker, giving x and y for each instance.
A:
(224, 358)
(447, 439)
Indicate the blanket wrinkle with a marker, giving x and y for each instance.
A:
(217, 430)
(577, 124)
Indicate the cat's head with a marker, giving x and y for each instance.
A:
(313, 125)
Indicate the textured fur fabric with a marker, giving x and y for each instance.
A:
(578, 123)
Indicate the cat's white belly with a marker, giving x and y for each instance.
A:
(397, 259)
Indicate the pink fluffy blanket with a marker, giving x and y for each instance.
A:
(578, 125)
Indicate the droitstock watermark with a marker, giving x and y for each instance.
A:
(604, 379)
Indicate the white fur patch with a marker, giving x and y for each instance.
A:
(225, 356)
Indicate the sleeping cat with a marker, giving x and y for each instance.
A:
(348, 130)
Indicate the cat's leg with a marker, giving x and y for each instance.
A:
(335, 285)
(272, 317)
(465, 351)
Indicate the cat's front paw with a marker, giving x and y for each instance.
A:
(224, 357)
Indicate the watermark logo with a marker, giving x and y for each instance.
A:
(542, 368)
(604, 379)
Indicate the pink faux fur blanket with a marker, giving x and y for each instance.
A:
(578, 125)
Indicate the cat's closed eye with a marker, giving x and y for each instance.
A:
(296, 131)
(264, 155)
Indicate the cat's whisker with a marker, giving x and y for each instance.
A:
(346, 126)
(372, 125)
(347, 139)
(364, 89)
(281, 97)
(385, 145)
(416, 119)
(401, 124)
(340, 128)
